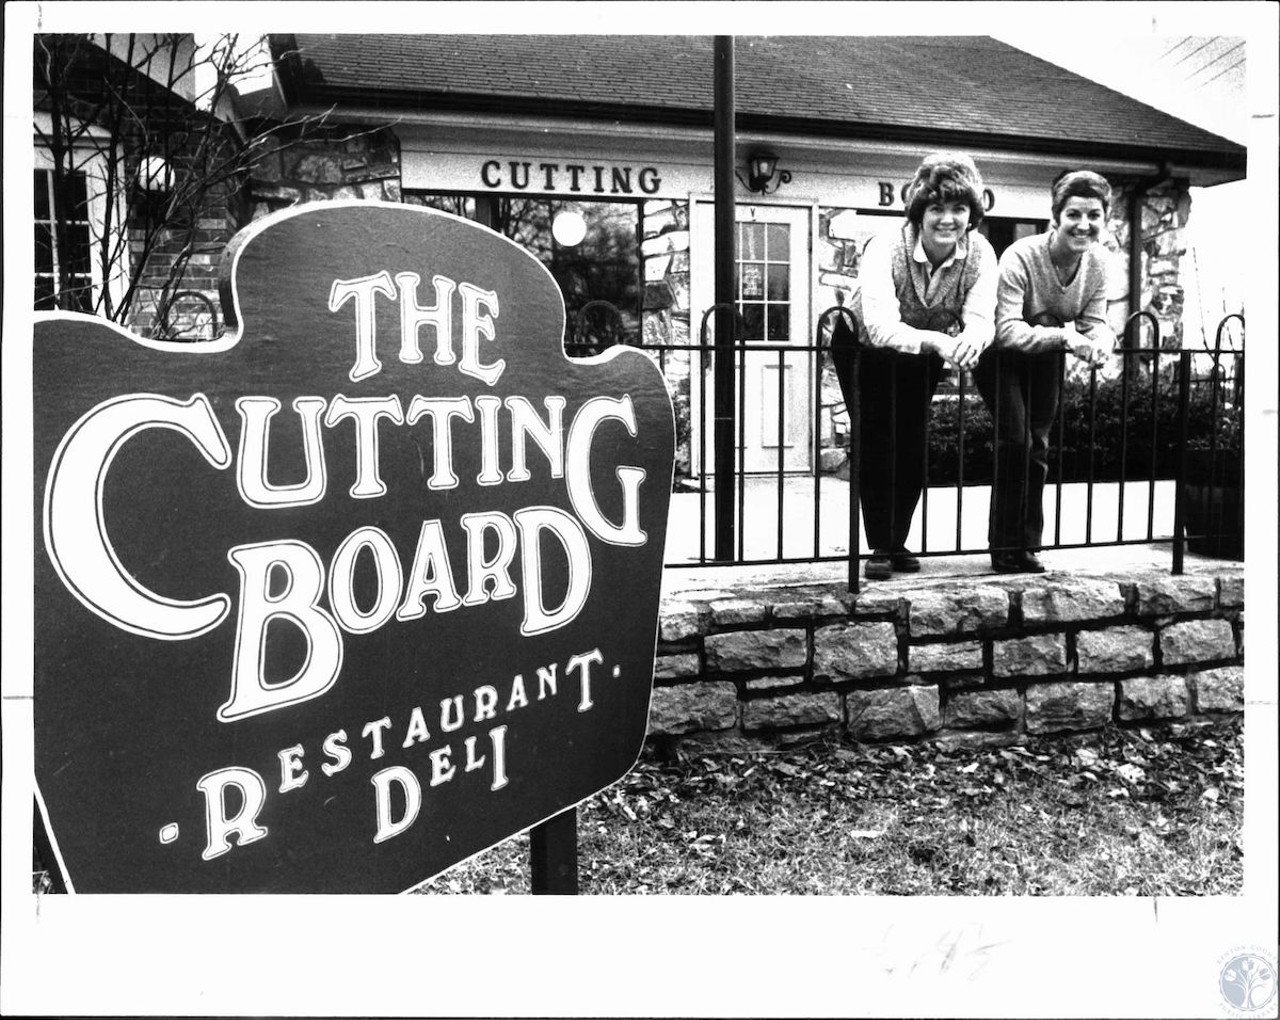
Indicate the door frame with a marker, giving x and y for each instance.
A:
(702, 296)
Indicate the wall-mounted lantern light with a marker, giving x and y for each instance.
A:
(155, 174)
(762, 166)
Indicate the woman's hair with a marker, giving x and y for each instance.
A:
(945, 177)
(1080, 184)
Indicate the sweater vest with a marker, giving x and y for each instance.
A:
(910, 284)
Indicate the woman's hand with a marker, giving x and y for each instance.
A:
(959, 352)
(1085, 347)
(965, 354)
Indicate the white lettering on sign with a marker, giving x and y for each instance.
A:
(81, 549)
(75, 533)
(479, 308)
(397, 787)
(219, 825)
(575, 178)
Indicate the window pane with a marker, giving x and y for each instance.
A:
(779, 282)
(753, 322)
(750, 281)
(44, 293)
(778, 236)
(44, 249)
(78, 191)
(751, 241)
(79, 297)
(78, 249)
(779, 323)
(42, 194)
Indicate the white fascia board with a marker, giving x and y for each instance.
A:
(424, 131)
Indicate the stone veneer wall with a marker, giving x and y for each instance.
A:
(340, 163)
(988, 661)
(1165, 210)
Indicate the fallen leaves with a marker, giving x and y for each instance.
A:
(1156, 810)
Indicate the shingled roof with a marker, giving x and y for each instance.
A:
(967, 90)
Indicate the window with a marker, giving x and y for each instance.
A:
(596, 275)
(764, 281)
(1002, 231)
(62, 261)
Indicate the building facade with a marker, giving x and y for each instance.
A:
(596, 154)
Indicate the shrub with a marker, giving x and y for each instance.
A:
(1109, 428)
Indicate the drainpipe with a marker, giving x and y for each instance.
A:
(1136, 196)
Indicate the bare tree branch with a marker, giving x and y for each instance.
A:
(122, 108)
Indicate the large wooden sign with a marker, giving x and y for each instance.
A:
(355, 594)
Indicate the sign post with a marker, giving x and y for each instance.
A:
(354, 593)
(553, 855)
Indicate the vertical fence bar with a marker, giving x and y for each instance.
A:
(1127, 357)
(924, 475)
(1180, 472)
(993, 509)
(741, 438)
(782, 369)
(855, 464)
(1155, 427)
(702, 435)
(1057, 498)
(1093, 433)
(817, 433)
(960, 465)
(1239, 383)
(893, 359)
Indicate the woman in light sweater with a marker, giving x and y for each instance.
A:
(926, 296)
(1051, 299)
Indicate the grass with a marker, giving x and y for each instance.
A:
(1125, 812)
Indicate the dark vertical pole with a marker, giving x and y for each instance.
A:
(553, 855)
(725, 266)
(487, 211)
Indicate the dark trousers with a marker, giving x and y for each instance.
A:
(894, 392)
(1021, 391)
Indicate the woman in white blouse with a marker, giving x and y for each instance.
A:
(927, 297)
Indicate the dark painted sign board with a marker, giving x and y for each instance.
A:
(353, 594)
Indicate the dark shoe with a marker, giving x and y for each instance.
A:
(1016, 563)
(1006, 563)
(879, 565)
(904, 562)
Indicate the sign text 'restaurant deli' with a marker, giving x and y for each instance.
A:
(348, 597)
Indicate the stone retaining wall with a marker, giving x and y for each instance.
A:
(981, 660)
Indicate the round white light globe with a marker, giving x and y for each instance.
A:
(569, 228)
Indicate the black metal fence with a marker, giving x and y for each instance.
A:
(1148, 450)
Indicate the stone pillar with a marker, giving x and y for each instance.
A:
(1164, 211)
(342, 163)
